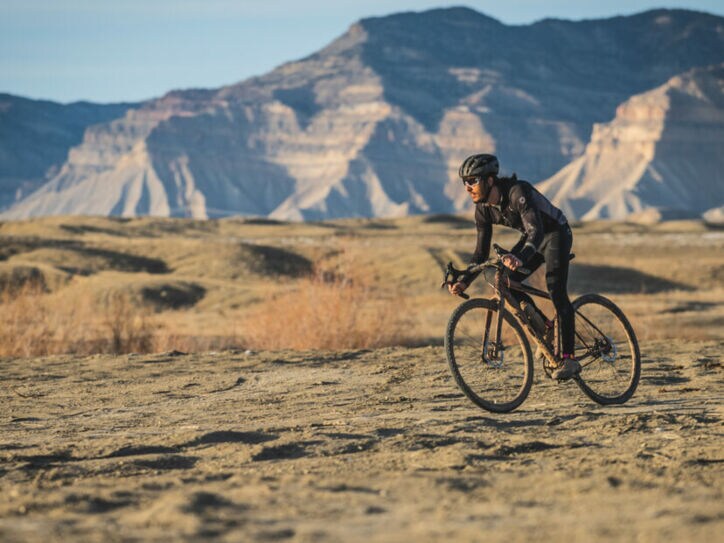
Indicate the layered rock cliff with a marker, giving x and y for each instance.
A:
(376, 123)
(662, 154)
(35, 137)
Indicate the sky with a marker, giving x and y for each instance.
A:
(132, 50)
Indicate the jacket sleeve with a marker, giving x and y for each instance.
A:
(521, 202)
(482, 245)
(518, 247)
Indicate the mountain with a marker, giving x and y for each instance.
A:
(377, 122)
(35, 137)
(661, 155)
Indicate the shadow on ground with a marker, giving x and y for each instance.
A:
(597, 278)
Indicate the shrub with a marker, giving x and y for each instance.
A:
(327, 311)
(35, 324)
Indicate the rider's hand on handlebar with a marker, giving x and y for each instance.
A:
(511, 261)
(457, 288)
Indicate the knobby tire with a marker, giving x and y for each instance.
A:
(585, 379)
(523, 345)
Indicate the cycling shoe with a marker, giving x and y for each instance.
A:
(567, 369)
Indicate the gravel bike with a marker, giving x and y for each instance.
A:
(490, 356)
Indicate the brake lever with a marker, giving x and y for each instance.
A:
(499, 250)
(451, 277)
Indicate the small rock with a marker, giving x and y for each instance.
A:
(615, 482)
(175, 353)
(554, 421)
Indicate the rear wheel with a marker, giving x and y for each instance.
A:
(495, 373)
(607, 350)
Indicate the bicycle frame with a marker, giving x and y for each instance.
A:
(503, 286)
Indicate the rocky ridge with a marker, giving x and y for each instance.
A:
(376, 123)
(35, 137)
(661, 155)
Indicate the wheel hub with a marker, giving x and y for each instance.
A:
(493, 354)
(607, 349)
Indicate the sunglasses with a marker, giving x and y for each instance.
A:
(471, 181)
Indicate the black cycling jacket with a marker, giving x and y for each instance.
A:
(521, 207)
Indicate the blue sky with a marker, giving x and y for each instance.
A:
(128, 50)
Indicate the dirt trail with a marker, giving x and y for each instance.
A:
(352, 446)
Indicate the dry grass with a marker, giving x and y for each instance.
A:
(328, 311)
(128, 326)
(233, 292)
(33, 323)
(31, 326)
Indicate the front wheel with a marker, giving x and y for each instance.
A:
(495, 373)
(607, 350)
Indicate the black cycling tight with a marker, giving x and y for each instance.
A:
(555, 252)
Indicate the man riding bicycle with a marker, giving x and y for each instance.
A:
(546, 238)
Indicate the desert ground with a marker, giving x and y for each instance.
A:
(219, 437)
(353, 446)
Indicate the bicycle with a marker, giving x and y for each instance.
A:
(490, 357)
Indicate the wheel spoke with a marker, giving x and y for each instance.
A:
(472, 339)
(610, 367)
(500, 383)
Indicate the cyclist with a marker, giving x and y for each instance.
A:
(546, 238)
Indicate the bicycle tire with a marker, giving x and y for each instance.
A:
(604, 349)
(464, 382)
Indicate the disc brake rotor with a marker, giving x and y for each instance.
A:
(491, 356)
(608, 350)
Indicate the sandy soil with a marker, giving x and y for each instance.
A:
(353, 446)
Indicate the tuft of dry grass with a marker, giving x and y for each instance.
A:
(33, 323)
(328, 311)
(24, 326)
(128, 325)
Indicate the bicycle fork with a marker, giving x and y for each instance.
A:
(493, 350)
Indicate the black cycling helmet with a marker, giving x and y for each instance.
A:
(479, 166)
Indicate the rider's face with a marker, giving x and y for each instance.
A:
(476, 191)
